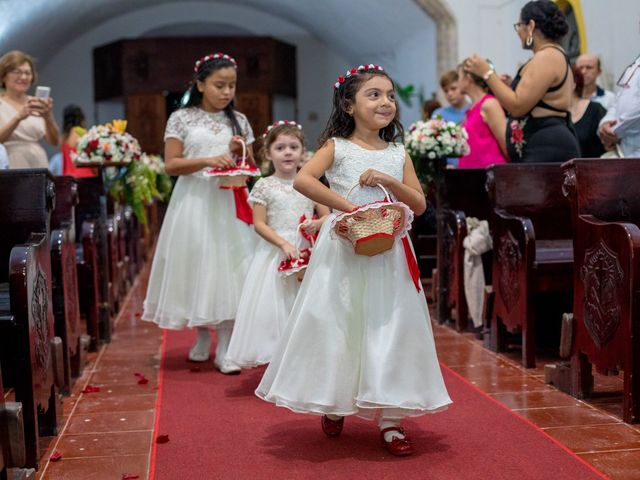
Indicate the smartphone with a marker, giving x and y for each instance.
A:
(42, 92)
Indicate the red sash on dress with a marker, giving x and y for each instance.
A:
(244, 211)
(414, 270)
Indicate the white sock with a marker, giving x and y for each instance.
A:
(224, 331)
(200, 349)
(333, 417)
(387, 423)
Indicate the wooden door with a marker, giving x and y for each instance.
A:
(146, 120)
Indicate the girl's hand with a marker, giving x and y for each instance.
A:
(289, 250)
(221, 161)
(311, 226)
(235, 145)
(372, 178)
(476, 65)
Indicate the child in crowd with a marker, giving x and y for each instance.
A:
(485, 122)
(359, 339)
(458, 104)
(206, 243)
(279, 212)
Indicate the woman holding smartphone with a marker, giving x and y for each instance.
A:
(24, 120)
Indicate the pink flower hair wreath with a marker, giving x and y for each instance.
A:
(341, 79)
(278, 124)
(213, 56)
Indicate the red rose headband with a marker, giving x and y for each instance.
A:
(341, 79)
(213, 56)
(279, 124)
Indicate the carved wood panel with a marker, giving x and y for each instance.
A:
(39, 306)
(509, 263)
(602, 278)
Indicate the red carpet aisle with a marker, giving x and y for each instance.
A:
(218, 429)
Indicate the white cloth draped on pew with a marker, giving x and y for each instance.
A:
(477, 242)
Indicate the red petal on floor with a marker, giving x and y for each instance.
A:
(138, 374)
(55, 456)
(162, 438)
(143, 381)
(90, 389)
(194, 369)
(129, 476)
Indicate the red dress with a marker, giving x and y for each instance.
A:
(69, 168)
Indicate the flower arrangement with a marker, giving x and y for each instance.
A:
(140, 177)
(108, 143)
(432, 140)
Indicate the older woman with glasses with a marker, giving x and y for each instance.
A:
(24, 120)
(539, 127)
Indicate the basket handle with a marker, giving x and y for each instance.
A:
(299, 238)
(386, 193)
(243, 162)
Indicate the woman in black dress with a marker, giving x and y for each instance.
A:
(539, 127)
(586, 116)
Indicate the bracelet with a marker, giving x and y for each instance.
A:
(490, 72)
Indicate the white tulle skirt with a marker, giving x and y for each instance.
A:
(201, 260)
(265, 304)
(358, 340)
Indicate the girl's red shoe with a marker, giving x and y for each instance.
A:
(399, 447)
(332, 428)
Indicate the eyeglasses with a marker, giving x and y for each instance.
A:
(628, 74)
(517, 25)
(20, 73)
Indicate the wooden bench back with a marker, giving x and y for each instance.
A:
(63, 215)
(605, 188)
(533, 191)
(27, 197)
(465, 190)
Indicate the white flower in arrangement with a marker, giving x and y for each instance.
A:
(436, 138)
(107, 144)
(154, 162)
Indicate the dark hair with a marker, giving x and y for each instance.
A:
(272, 136)
(448, 78)
(578, 78)
(195, 96)
(548, 17)
(341, 124)
(72, 116)
(428, 107)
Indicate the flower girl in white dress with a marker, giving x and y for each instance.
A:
(359, 339)
(206, 242)
(279, 212)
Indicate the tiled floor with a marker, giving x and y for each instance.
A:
(109, 434)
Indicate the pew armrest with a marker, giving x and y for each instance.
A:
(12, 434)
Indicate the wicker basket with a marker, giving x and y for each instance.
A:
(372, 228)
(236, 177)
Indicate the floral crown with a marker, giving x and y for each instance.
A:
(280, 123)
(213, 56)
(341, 79)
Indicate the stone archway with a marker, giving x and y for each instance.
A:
(447, 33)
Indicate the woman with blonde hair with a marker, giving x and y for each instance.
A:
(24, 120)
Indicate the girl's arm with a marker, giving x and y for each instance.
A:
(312, 226)
(176, 164)
(407, 191)
(536, 79)
(494, 117)
(307, 180)
(266, 232)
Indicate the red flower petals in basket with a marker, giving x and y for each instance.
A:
(298, 265)
(372, 228)
(235, 177)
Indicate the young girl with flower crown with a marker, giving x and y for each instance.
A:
(359, 339)
(284, 219)
(206, 242)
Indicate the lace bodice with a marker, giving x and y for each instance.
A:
(204, 134)
(351, 160)
(284, 205)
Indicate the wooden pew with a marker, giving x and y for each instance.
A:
(532, 249)
(66, 308)
(92, 208)
(27, 345)
(463, 195)
(12, 451)
(424, 239)
(605, 203)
